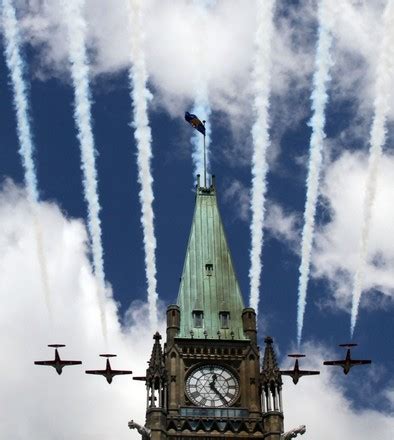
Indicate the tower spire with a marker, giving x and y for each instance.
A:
(209, 294)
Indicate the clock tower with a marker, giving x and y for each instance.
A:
(207, 381)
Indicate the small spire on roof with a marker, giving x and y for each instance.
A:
(156, 364)
(270, 372)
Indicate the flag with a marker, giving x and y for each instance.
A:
(195, 122)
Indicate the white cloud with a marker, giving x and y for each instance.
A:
(282, 226)
(35, 401)
(239, 195)
(174, 34)
(358, 32)
(337, 242)
(390, 397)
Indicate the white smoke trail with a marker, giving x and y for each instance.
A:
(261, 142)
(140, 96)
(15, 65)
(319, 99)
(42, 264)
(383, 96)
(76, 29)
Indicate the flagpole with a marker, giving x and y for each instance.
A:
(205, 160)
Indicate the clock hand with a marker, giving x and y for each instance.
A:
(223, 399)
(213, 388)
(212, 384)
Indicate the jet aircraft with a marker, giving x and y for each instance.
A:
(108, 373)
(57, 363)
(348, 362)
(296, 373)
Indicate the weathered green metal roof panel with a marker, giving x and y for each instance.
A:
(208, 282)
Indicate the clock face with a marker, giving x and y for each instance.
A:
(212, 386)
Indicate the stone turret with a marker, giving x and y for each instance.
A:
(173, 322)
(156, 388)
(271, 382)
(249, 324)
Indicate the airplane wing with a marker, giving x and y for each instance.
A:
(287, 372)
(51, 363)
(360, 362)
(102, 372)
(116, 372)
(308, 373)
(70, 362)
(334, 363)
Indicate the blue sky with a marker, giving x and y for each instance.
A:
(169, 33)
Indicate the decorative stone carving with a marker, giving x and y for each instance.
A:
(145, 432)
(294, 432)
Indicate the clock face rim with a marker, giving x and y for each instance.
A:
(207, 367)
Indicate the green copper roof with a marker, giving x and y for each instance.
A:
(208, 282)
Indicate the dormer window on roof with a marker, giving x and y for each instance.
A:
(209, 269)
(224, 318)
(198, 318)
